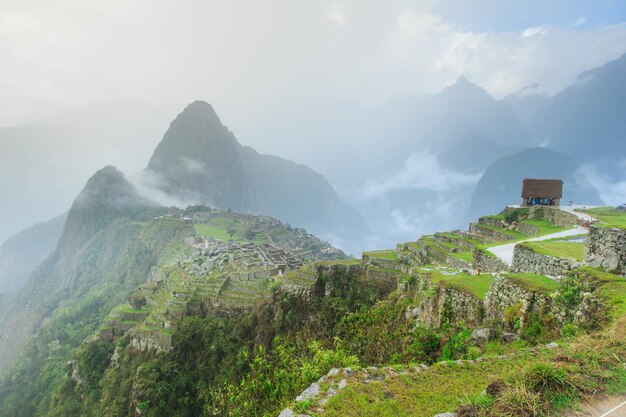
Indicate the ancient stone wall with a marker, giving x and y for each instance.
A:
(527, 260)
(458, 263)
(527, 229)
(437, 304)
(488, 263)
(478, 229)
(504, 294)
(491, 221)
(554, 215)
(606, 248)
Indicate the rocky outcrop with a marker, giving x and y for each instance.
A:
(606, 248)
(437, 303)
(525, 259)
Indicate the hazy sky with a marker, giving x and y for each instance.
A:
(300, 79)
(243, 56)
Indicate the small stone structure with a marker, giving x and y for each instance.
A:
(541, 192)
(606, 247)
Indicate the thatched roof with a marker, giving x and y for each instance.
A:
(542, 188)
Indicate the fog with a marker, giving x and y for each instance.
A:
(335, 85)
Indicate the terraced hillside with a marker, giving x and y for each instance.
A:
(496, 328)
(246, 316)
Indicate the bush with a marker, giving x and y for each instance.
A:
(569, 330)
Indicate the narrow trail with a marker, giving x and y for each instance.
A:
(505, 252)
(606, 407)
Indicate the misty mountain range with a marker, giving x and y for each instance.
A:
(421, 164)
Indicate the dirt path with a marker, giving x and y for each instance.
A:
(606, 407)
(505, 252)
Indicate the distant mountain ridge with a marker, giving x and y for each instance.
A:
(501, 184)
(587, 120)
(200, 161)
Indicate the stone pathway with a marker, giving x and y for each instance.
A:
(505, 252)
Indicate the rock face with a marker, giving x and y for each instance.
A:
(199, 160)
(527, 260)
(606, 248)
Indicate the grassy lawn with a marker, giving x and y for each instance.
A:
(545, 227)
(383, 254)
(534, 282)
(609, 216)
(218, 228)
(558, 249)
(465, 256)
(514, 234)
(477, 285)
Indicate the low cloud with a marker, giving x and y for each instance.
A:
(192, 165)
(612, 187)
(423, 172)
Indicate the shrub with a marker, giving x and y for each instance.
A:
(569, 330)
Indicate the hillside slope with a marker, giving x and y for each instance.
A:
(20, 254)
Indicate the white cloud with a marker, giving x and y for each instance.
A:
(580, 21)
(57, 55)
(192, 165)
(537, 30)
(337, 13)
(612, 191)
(422, 171)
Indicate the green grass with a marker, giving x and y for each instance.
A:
(464, 256)
(609, 286)
(608, 216)
(383, 254)
(218, 227)
(514, 234)
(558, 249)
(424, 394)
(476, 285)
(544, 227)
(534, 282)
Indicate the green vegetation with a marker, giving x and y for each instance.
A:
(557, 248)
(609, 286)
(225, 229)
(544, 227)
(608, 216)
(514, 215)
(534, 282)
(476, 285)
(383, 254)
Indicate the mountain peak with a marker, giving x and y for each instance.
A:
(464, 86)
(106, 185)
(198, 112)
